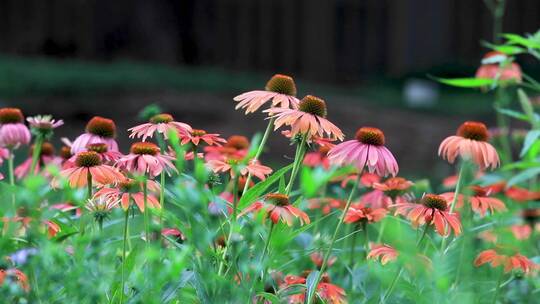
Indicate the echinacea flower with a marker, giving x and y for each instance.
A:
(432, 210)
(318, 158)
(519, 194)
(385, 252)
(359, 213)
(253, 167)
(326, 204)
(496, 65)
(280, 89)
(145, 158)
(277, 207)
(328, 292)
(521, 232)
(366, 180)
(366, 150)
(196, 136)
(318, 257)
(13, 132)
(160, 123)
(309, 119)
(45, 158)
(480, 200)
(495, 259)
(236, 147)
(43, 125)
(87, 166)
(107, 157)
(470, 142)
(129, 190)
(15, 275)
(173, 233)
(98, 130)
(101, 206)
(392, 190)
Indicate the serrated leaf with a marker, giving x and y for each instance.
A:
(467, 82)
(531, 137)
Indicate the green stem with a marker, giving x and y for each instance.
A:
(459, 185)
(36, 153)
(299, 157)
(126, 221)
(145, 196)
(82, 221)
(162, 196)
(260, 149)
(366, 238)
(334, 236)
(498, 287)
(12, 178)
(232, 225)
(503, 124)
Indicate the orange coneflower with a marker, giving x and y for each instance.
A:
(127, 189)
(253, 167)
(317, 259)
(327, 291)
(359, 213)
(87, 166)
(385, 252)
(236, 147)
(145, 157)
(161, 123)
(432, 210)
(519, 194)
(393, 190)
(480, 200)
(17, 276)
(196, 136)
(277, 207)
(309, 119)
(495, 259)
(521, 232)
(496, 65)
(280, 89)
(366, 150)
(470, 142)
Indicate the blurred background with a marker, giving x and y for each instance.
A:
(370, 59)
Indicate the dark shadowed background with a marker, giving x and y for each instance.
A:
(369, 59)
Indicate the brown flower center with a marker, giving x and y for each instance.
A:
(198, 132)
(370, 136)
(277, 199)
(282, 84)
(238, 142)
(11, 115)
(88, 159)
(142, 148)
(473, 130)
(65, 152)
(324, 150)
(98, 148)
(47, 149)
(161, 118)
(313, 105)
(480, 191)
(101, 127)
(434, 201)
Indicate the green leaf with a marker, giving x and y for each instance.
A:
(467, 82)
(270, 297)
(523, 176)
(531, 137)
(311, 285)
(256, 191)
(282, 184)
(528, 108)
(513, 114)
(526, 42)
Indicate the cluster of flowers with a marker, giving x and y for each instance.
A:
(114, 179)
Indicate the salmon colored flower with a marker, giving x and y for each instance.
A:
(173, 233)
(15, 275)
(318, 257)
(98, 130)
(46, 158)
(385, 252)
(519, 194)
(107, 157)
(326, 204)
(327, 291)
(277, 207)
(496, 65)
(432, 210)
(161, 124)
(318, 158)
(488, 236)
(359, 213)
(13, 132)
(392, 190)
(480, 200)
(196, 136)
(470, 142)
(366, 150)
(87, 166)
(280, 89)
(52, 228)
(129, 190)
(253, 167)
(367, 180)
(309, 119)
(521, 232)
(145, 158)
(67, 207)
(509, 263)
(237, 147)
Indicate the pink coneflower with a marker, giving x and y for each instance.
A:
(107, 157)
(326, 204)
(327, 291)
(98, 130)
(129, 188)
(196, 136)
(432, 210)
(145, 157)
(280, 89)
(318, 158)
(237, 147)
(521, 232)
(495, 65)
(359, 213)
(480, 200)
(44, 124)
(253, 167)
(277, 207)
(392, 190)
(366, 150)
(308, 119)
(385, 252)
(88, 165)
(13, 132)
(46, 158)
(495, 259)
(160, 123)
(470, 142)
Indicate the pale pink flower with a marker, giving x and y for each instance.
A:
(44, 122)
(277, 207)
(366, 150)
(385, 252)
(160, 123)
(196, 136)
(280, 89)
(13, 132)
(88, 165)
(98, 130)
(145, 158)
(46, 158)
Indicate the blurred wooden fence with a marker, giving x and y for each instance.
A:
(337, 40)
